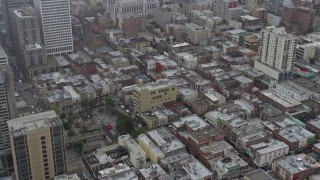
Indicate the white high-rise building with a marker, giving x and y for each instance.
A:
(277, 53)
(55, 25)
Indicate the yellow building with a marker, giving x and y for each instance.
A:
(37, 144)
(152, 151)
(153, 94)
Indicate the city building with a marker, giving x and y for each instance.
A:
(264, 153)
(37, 143)
(294, 90)
(314, 127)
(197, 34)
(55, 25)
(152, 151)
(118, 172)
(131, 24)
(299, 166)
(166, 141)
(31, 53)
(154, 172)
(153, 94)
(257, 174)
(136, 155)
(276, 7)
(184, 165)
(145, 7)
(6, 7)
(277, 53)
(298, 19)
(8, 111)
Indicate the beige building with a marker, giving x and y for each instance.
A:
(197, 33)
(153, 94)
(37, 143)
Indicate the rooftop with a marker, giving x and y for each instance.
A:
(215, 147)
(165, 140)
(297, 163)
(194, 122)
(25, 124)
(154, 172)
(258, 174)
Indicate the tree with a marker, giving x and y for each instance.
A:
(71, 133)
(56, 109)
(109, 101)
(168, 39)
(63, 115)
(135, 133)
(89, 103)
(311, 140)
(66, 125)
(312, 60)
(83, 130)
(100, 110)
(124, 124)
(78, 147)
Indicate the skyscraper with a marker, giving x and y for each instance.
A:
(55, 25)
(31, 53)
(37, 143)
(277, 53)
(8, 111)
(8, 5)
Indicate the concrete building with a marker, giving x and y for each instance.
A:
(185, 166)
(154, 172)
(118, 172)
(27, 41)
(314, 127)
(8, 111)
(131, 24)
(257, 174)
(162, 16)
(6, 7)
(277, 53)
(294, 90)
(153, 94)
(152, 151)
(221, 7)
(252, 5)
(145, 7)
(166, 141)
(55, 25)
(197, 34)
(299, 166)
(38, 148)
(276, 7)
(136, 155)
(307, 51)
(298, 19)
(264, 153)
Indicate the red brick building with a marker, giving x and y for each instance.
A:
(298, 19)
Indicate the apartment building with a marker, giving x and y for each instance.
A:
(277, 53)
(37, 143)
(197, 33)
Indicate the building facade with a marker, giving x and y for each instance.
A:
(27, 41)
(38, 148)
(55, 25)
(154, 94)
(277, 53)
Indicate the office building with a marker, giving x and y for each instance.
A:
(27, 41)
(276, 6)
(145, 7)
(8, 110)
(55, 25)
(277, 53)
(8, 5)
(131, 24)
(37, 143)
(153, 94)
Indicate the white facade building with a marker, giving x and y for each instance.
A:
(277, 52)
(55, 25)
(294, 90)
(145, 7)
(137, 155)
(264, 153)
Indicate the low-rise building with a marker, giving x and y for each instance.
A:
(264, 153)
(154, 172)
(314, 127)
(258, 174)
(152, 151)
(117, 173)
(292, 167)
(166, 141)
(185, 166)
(136, 155)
